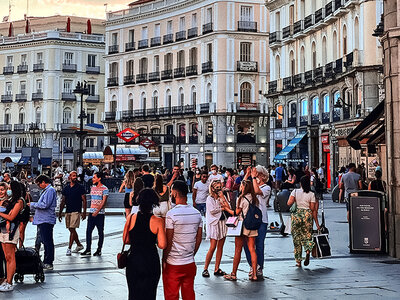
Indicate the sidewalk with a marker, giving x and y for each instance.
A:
(341, 276)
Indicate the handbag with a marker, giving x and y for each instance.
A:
(235, 231)
(253, 219)
(232, 222)
(322, 248)
(122, 257)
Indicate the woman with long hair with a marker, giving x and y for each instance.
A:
(302, 220)
(9, 233)
(143, 231)
(247, 197)
(162, 191)
(138, 186)
(216, 226)
(25, 214)
(230, 182)
(127, 186)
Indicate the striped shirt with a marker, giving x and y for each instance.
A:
(96, 197)
(185, 221)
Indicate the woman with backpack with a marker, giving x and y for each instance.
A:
(302, 220)
(316, 185)
(246, 199)
(9, 231)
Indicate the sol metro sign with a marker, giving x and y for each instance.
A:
(127, 135)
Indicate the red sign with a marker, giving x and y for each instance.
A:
(125, 157)
(325, 139)
(127, 135)
(326, 148)
(147, 143)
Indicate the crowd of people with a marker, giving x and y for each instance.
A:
(158, 215)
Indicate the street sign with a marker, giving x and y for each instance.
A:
(147, 143)
(127, 135)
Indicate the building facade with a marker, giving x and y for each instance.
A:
(41, 61)
(325, 77)
(193, 69)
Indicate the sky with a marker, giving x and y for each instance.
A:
(41, 8)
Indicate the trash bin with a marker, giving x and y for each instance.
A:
(367, 222)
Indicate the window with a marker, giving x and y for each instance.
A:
(68, 86)
(20, 142)
(302, 10)
(304, 107)
(181, 59)
(292, 64)
(92, 88)
(169, 27)
(38, 115)
(168, 99)
(68, 58)
(8, 88)
(143, 66)
(91, 60)
(324, 51)
(39, 85)
(114, 39)
(22, 87)
(156, 63)
(209, 52)
(302, 60)
(278, 21)
(131, 36)
(89, 142)
(336, 96)
(168, 61)
(21, 117)
(326, 103)
(293, 109)
(209, 93)
(334, 45)
(181, 97)
(114, 70)
(315, 106)
(245, 51)
(144, 33)
(182, 133)
(39, 58)
(129, 67)
(314, 56)
(157, 30)
(209, 17)
(246, 13)
(245, 92)
(356, 34)
(194, 20)
(182, 24)
(194, 96)
(130, 102)
(291, 15)
(23, 59)
(67, 116)
(279, 109)
(277, 67)
(9, 61)
(193, 56)
(7, 117)
(155, 99)
(6, 143)
(143, 100)
(113, 105)
(344, 40)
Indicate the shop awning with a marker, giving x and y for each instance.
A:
(93, 155)
(24, 160)
(11, 158)
(283, 155)
(90, 128)
(125, 153)
(45, 161)
(370, 131)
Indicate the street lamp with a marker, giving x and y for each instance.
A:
(34, 127)
(81, 89)
(340, 103)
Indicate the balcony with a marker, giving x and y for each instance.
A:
(177, 110)
(314, 119)
(192, 32)
(142, 44)
(152, 112)
(181, 139)
(129, 79)
(298, 81)
(168, 38)
(112, 81)
(129, 46)
(110, 116)
(329, 70)
(346, 113)
(179, 72)
(253, 107)
(319, 18)
(180, 36)
(340, 10)
(68, 96)
(338, 66)
(275, 39)
(19, 127)
(278, 123)
(141, 78)
(193, 139)
(37, 96)
(93, 99)
(205, 108)
(21, 97)
(92, 69)
(272, 86)
(8, 70)
(207, 67)
(189, 109)
(70, 68)
(287, 33)
(298, 29)
(207, 28)
(166, 75)
(247, 26)
(292, 122)
(155, 41)
(113, 49)
(247, 66)
(309, 22)
(38, 67)
(319, 74)
(287, 83)
(139, 113)
(329, 17)
(325, 117)
(22, 69)
(127, 115)
(303, 120)
(348, 64)
(5, 127)
(350, 3)
(191, 70)
(336, 114)
(154, 76)
(7, 98)
(308, 78)
(165, 111)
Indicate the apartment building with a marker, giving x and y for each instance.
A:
(41, 61)
(195, 70)
(326, 76)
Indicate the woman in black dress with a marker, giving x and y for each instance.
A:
(143, 232)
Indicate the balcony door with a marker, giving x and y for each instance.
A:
(246, 13)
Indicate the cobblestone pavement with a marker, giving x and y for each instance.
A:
(341, 276)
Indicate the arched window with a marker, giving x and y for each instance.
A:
(292, 66)
(113, 104)
(181, 97)
(143, 65)
(130, 102)
(155, 99)
(21, 116)
(67, 115)
(326, 103)
(291, 14)
(38, 115)
(334, 45)
(324, 51)
(356, 34)
(169, 129)
(302, 10)
(7, 117)
(344, 40)
(315, 105)
(181, 59)
(193, 96)
(114, 70)
(156, 139)
(168, 61)
(156, 63)
(314, 55)
(336, 96)
(193, 56)
(302, 60)
(293, 109)
(245, 92)
(168, 99)
(182, 134)
(194, 133)
(130, 67)
(304, 107)
(277, 21)
(279, 109)
(143, 100)
(209, 93)
(277, 67)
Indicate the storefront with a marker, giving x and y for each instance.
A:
(295, 152)
(129, 155)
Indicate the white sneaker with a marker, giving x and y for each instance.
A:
(78, 248)
(6, 287)
(68, 252)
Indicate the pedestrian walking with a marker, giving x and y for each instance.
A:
(229, 185)
(74, 198)
(176, 175)
(9, 231)
(350, 183)
(98, 200)
(143, 231)
(162, 191)
(127, 186)
(214, 175)
(216, 226)
(302, 220)
(247, 197)
(138, 186)
(279, 176)
(45, 217)
(200, 193)
(184, 231)
(58, 175)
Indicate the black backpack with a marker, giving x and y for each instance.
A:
(253, 219)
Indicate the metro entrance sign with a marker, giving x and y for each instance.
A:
(147, 143)
(127, 135)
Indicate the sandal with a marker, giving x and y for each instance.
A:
(253, 278)
(230, 277)
(205, 273)
(298, 264)
(307, 260)
(219, 272)
(251, 273)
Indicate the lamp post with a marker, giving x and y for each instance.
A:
(33, 127)
(81, 89)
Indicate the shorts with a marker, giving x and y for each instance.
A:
(126, 201)
(5, 238)
(72, 220)
(161, 211)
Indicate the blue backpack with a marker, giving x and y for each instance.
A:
(253, 219)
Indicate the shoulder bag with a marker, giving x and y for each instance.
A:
(122, 257)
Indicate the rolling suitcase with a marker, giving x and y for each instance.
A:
(28, 262)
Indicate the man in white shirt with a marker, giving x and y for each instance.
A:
(200, 193)
(214, 175)
(184, 231)
(321, 173)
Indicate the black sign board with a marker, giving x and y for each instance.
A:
(365, 224)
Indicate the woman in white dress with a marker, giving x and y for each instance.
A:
(216, 226)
